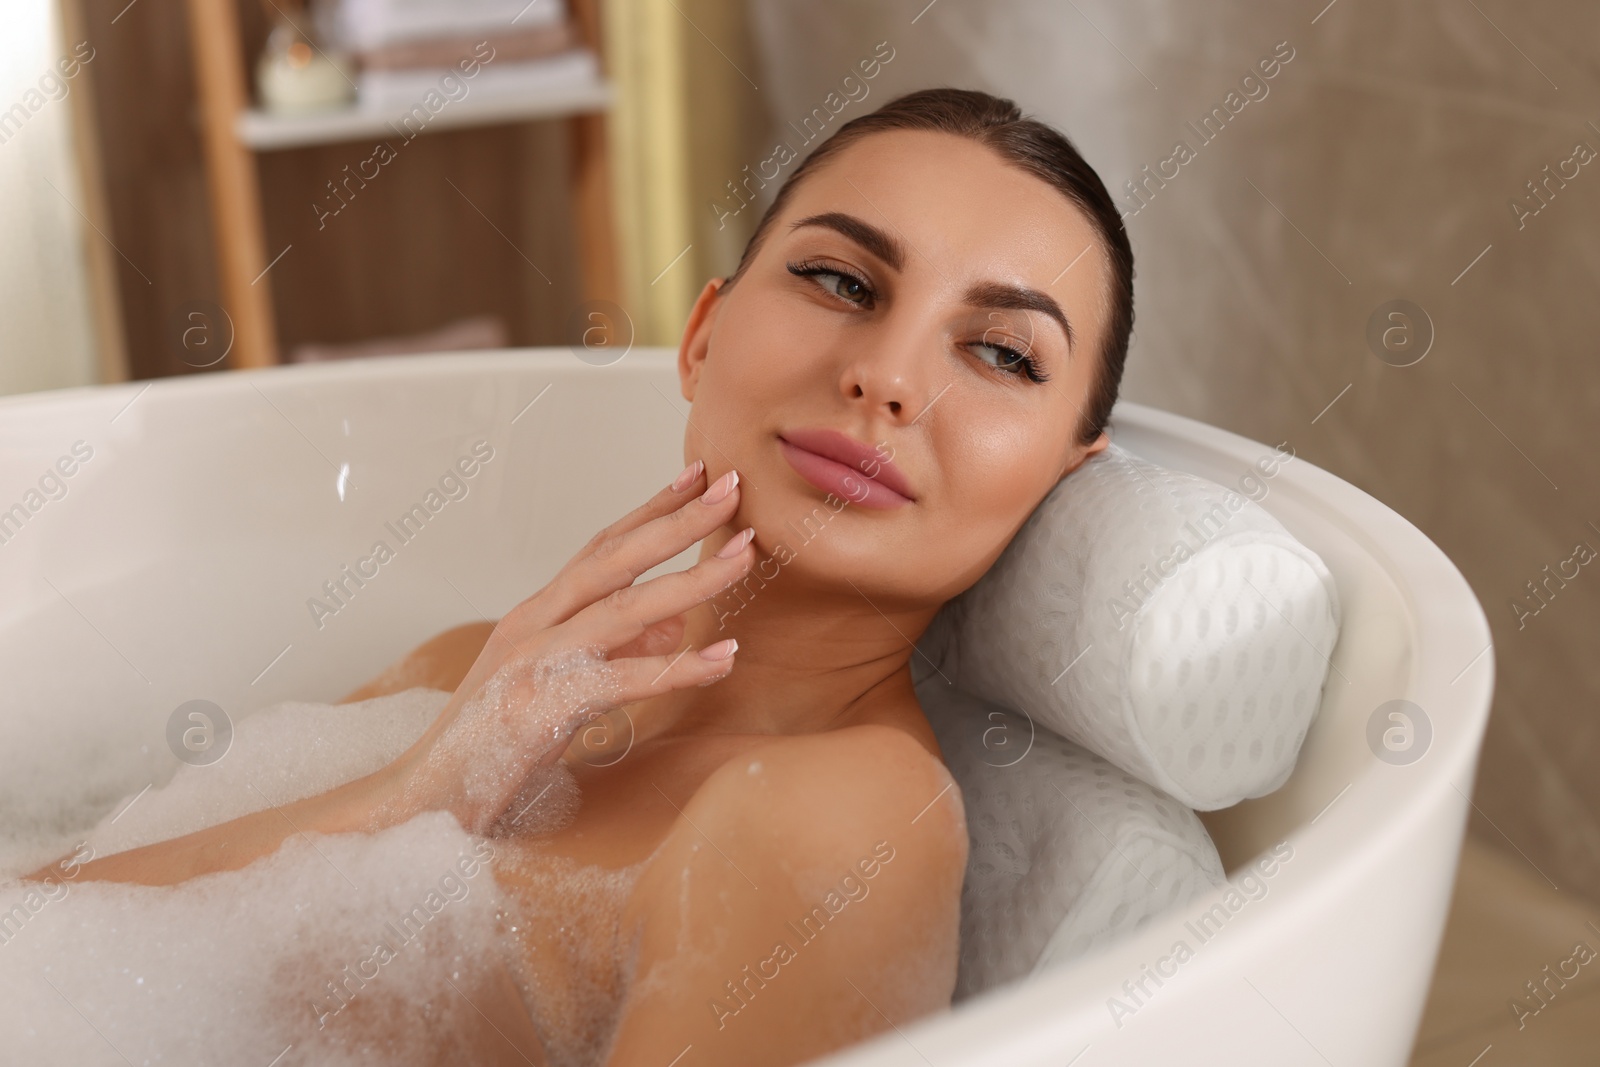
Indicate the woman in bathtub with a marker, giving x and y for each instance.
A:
(925, 333)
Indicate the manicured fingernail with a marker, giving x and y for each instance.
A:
(686, 479)
(720, 490)
(736, 543)
(721, 650)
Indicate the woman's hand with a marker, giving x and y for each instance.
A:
(589, 641)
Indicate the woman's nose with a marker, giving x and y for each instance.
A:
(890, 374)
(888, 397)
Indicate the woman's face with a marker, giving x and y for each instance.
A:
(921, 257)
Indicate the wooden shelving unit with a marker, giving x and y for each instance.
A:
(233, 132)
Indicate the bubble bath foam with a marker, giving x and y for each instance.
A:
(347, 948)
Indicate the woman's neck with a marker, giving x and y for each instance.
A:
(809, 659)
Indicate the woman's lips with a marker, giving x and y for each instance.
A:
(852, 483)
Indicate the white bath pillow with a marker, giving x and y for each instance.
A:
(1066, 851)
(1158, 619)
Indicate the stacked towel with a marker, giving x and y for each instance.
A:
(403, 48)
(439, 52)
(396, 91)
(371, 25)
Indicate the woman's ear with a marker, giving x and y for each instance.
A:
(695, 345)
(1077, 458)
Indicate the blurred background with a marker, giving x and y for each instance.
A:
(1383, 255)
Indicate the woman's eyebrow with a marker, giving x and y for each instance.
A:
(1001, 296)
(874, 240)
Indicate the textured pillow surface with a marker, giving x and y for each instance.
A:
(1066, 851)
(1158, 619)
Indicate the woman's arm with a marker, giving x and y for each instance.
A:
(438, 663)
(230, 845)
(798, 907)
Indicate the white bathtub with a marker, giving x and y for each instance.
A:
(180, 561)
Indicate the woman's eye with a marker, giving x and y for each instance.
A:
(841, 284)
(844, 285)
(1009, 361)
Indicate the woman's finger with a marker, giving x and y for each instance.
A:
(646, 676)
(629, 680)
(616, 563)
(626, 613)
(658, 638)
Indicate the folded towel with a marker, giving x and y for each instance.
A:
(394, 91)
(366, 25)
(444, 52)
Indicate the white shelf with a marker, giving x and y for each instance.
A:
(264, 131)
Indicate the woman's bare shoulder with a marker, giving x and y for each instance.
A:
(859, 831)
(819, 786)
(822, 800)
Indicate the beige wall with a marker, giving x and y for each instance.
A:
(1380, 163)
